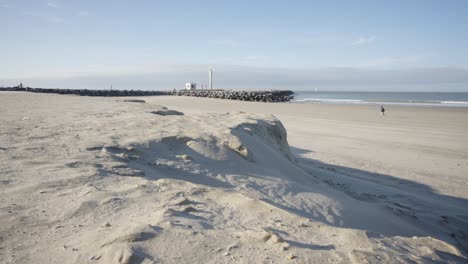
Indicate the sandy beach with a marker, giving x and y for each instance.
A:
(197, 180)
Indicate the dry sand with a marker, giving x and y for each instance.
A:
(101, 180)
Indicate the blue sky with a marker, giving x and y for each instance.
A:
(333, 45)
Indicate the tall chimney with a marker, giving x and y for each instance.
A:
(211, 79)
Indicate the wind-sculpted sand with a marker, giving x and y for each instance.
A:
(101, 180)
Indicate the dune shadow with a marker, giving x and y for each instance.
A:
(425, 211)
(442, 216)
(300, 152)
(148, 163)
(379, 178)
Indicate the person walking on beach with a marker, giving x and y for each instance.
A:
(382, 111)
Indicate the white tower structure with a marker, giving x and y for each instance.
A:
(211, 79)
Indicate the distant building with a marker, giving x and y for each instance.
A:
(190, 86)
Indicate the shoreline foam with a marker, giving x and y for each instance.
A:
(442, 99)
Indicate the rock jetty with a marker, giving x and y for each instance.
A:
(255, 96)
(86, 92)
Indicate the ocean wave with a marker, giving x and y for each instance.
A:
(454, 102)
(383, 102)
(328, 100)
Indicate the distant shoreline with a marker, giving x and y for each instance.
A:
(418, 99)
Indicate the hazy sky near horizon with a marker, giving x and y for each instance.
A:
(300, 45)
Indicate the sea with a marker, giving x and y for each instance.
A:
(442, 99)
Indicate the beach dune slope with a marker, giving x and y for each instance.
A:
(123, 183)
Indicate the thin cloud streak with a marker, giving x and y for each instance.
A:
(52, 5)
(364, 40)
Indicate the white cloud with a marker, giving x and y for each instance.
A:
(364, 40)
(50, 4)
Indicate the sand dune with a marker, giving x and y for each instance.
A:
(176, 180)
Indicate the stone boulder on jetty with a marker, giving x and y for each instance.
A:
(256, 96)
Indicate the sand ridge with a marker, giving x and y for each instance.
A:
(94, 180)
